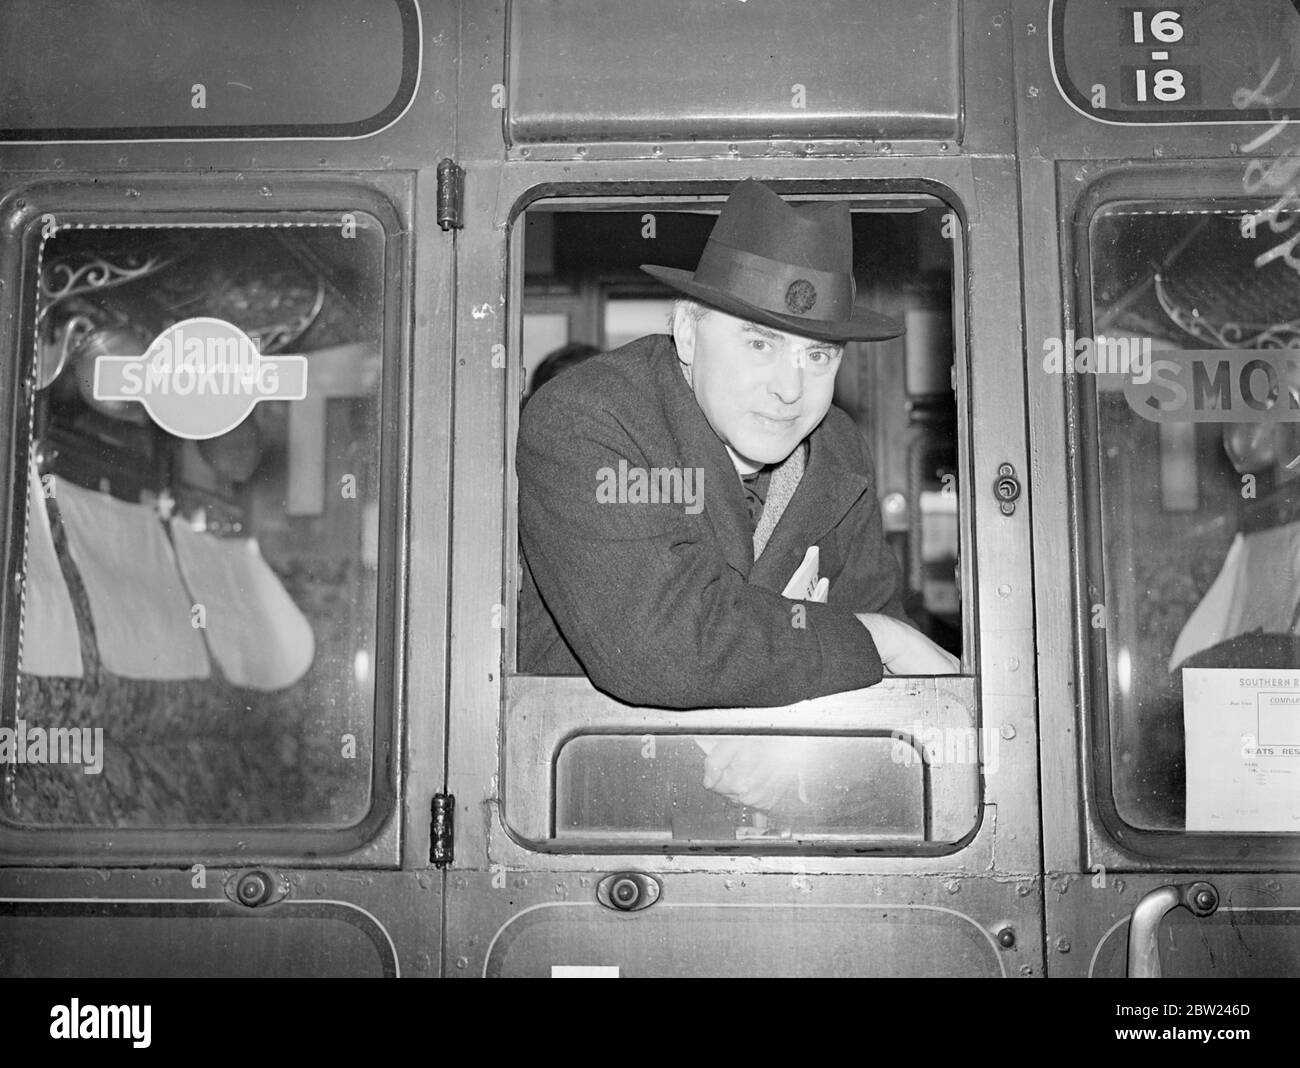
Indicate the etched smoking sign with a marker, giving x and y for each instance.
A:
(200, 378)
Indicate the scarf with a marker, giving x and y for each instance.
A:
(785, 480)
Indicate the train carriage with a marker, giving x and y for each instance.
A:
(265, 706)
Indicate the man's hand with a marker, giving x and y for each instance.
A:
(905, 650)
(759, 772)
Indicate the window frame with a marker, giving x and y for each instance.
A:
(1111, 839)
(373, 839)
(937, 695)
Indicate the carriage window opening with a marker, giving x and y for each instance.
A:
(1195, 478)
(196, 629)
(611, 786)
(583, 297)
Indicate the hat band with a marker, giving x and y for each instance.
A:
(774, 286)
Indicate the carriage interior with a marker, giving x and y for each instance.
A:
(210, 603)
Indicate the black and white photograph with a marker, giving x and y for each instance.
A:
(632, 489)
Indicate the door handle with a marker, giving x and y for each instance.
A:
(1201, 899)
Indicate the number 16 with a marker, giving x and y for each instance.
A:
(1164, 27)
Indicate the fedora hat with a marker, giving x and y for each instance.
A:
(781, 266)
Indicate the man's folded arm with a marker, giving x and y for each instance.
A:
(645, 598)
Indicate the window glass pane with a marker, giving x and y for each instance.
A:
(198, 601)
(1195, 470)
(652, 788)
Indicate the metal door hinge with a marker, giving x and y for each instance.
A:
(442, 836)
(451, 195)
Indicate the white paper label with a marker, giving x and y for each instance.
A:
(584, 971)
(1243, 749)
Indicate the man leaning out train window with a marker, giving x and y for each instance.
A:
(700, 525)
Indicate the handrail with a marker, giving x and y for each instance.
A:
(1200, 898)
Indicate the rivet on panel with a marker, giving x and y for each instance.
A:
(1013, 663)
(462, 963)
(1004, 590)
(1008, 731)
(952, 886)
(1062, 945)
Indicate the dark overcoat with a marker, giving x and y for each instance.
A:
(662, 604)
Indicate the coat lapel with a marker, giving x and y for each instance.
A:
(724, 500)
(829, 488)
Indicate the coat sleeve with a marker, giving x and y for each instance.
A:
(871, 579)
(643, 594)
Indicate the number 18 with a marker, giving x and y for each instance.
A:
(1168, 84)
